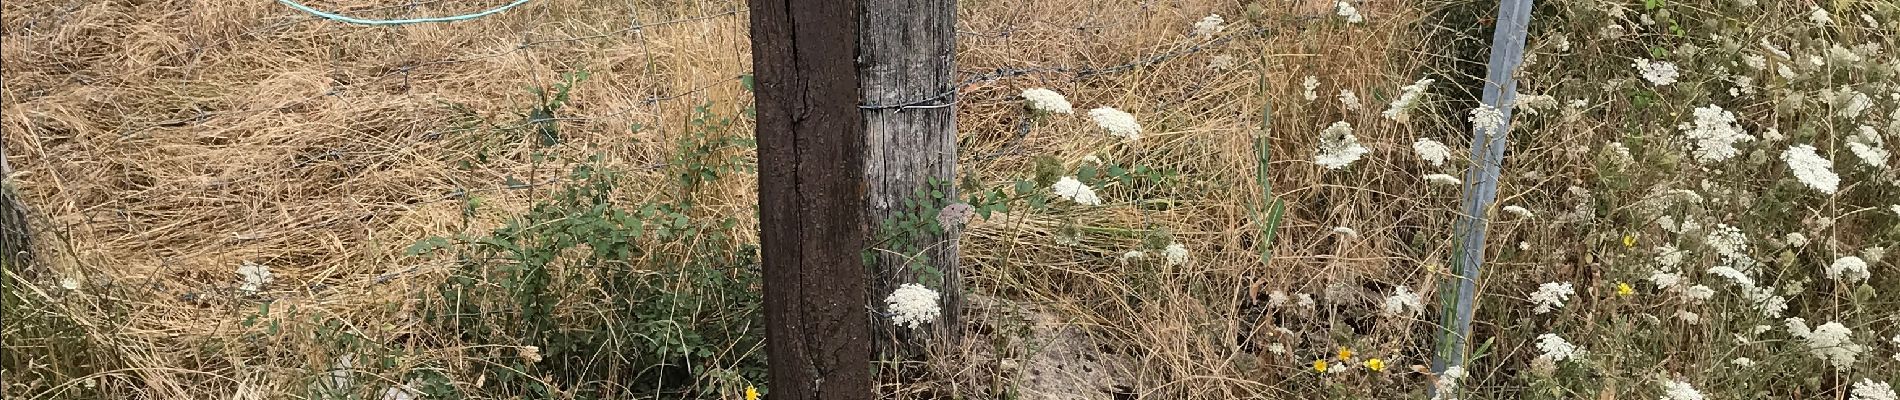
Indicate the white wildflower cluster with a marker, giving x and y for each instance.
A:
(1345, 9)
(1796, 239)
(1443, 179)
(1680, 390)
(1555, 348)
(1404, 302)
(1831, 342)
(1867, 145)
(1618, 154)
(1046, 100)
(1699, 293)
(1660, 73)
(1728, 241)
(1487, 120)
(1551, 296)
(1349, 99)
(1133, 255)
(1715, 133)
(1338, 147)
(1117, 122)
(254, 276)
(1532, 104)
(1344, 231)
(1432, 151)
(1069, 188)
(1448, 382)
(1176, 254)
(1210, 25)
(1820, 16)
(1868, 389)
(1311, 86)
(1848, 269)
(913, 305)
(1409, 96)
(1851, 103)
(1520, 212)
(1811, 169)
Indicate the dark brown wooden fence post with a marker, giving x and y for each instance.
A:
(811, 198)
(909, 85)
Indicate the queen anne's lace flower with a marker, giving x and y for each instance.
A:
(1521, 212)
(1660, 73)
(1831, 342)
(1409, 96)
(1432, 151)
(1443, 179)
(1820, 16)
(1848, 269)
(1715, 134)
(1311, 84)
(1345, 9)
(1349, 99)
(255, 277)
(1551, 296)
(1448, 382)
(1177, 254)
(1403, 301)
(1866, 144)
(1117, 122)
(1338, 147)
(913, 305)
(1075, 191)
(1344, 231)
(1680, 390)
(1047, 101)
(1699, 293)
(1556, 348)
(1727, 241)
(1868, 389)
(1811, 169)
(1210, 25)
(1487, 120)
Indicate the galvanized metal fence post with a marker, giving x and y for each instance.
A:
(1481, 181)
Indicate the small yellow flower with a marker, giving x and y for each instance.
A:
(1319, 365)
(1345, 354)
(1629, 240)
(1376, 365)
(751, 393)
(1624, 289)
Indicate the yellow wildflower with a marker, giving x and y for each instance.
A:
(1629, 240)
(751, 393)
(1345, 354)
(1376, 365)
(1319, 365)
(1624, 289)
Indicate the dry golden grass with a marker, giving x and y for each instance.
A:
(163, 144)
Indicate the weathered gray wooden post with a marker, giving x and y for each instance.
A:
(1481, 181)
(811, 182)
(907, 68)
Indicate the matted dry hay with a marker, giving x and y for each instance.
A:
(163, 144)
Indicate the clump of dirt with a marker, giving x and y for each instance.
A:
(1019, 350)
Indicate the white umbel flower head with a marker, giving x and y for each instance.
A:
(1868, 389)
(1680, 390)
(1046, 100)
(1487, 120)
(1866, 144)
(1820, 16)
(1132, 255)
(1555, 348)
(1117, 122)
(1432, 151)
(1660, 73)
(1409, 96)
(1075, 191)
(254, 276)
(1349, 99)
(1848, 269)
(1176, 253)
(1404, 302)
(913, 305)
(1715, 134)
(1344, 231)
(1831, 342)
(1812, 169)
(1345, 9)
(1447, 383)
(1443, 179)
(1796, 239)
(1338, 147)
(1311, 86)
(1551, 296)
(1210, 25)
(1520, 212)
(1699, 293)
